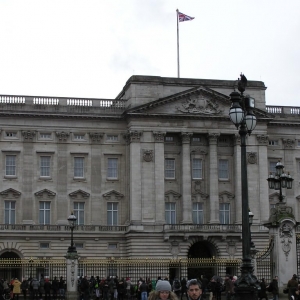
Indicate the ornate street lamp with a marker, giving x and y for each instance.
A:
(242, 116)
(251, 216)
(280, 180)
(72, 222)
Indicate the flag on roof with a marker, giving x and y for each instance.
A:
(182, 17)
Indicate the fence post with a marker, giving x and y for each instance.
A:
(72, 275)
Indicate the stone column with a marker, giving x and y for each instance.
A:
(159, 174)
(72, 275)
(186, 178)
(213, 178)
(135, 177)
(237, 181)
(264, 208)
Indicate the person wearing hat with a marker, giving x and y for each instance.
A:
(163, 291)
(194, 289)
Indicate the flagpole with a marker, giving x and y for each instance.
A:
(178, 72)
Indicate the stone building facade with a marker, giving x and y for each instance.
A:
(155, 172)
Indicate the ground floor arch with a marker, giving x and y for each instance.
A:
(10, 270)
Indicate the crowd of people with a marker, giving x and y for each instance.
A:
(113, 288)
(33, 289)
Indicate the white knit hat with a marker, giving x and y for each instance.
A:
(163, 285)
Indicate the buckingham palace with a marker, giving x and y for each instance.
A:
(153, 173)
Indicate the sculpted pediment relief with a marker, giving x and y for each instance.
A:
(223, 196)
(10, 193)
(113, 195)
(171, 195)
(45, 194)
(199, 101)
(79, 194)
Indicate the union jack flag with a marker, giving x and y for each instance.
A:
(182, 17)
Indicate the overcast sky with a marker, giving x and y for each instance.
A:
(89, 48)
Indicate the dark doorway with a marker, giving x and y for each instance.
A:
(11, 271)
(202, 249)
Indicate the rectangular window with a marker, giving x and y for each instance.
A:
(78, 167)
(170, 168)
(112, 213)
(273, 167)
(79, 212)
(78, 136)
(170, 212)
(224, 213)
(44, 246)
(196, 139)
(273, 142)
(45, 166)
(169, 138)
(79, 245)
(11, 134)
(9, 212)
(112, 168)
(46, 136)
(10, 165)
(111, 137)
(223, 169)
(44, 217)
(112, 246)
(197, 213)
(197, 168)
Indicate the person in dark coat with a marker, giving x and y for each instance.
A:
(273, 288)
(183, 288)
(263, 290)
(292, 283)
(55, 288)
(47, 288)
(294, 294)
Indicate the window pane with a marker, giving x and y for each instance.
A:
(170, 212)
(273, 167)
(197, 168)
(78, 167)
(10, 165)
(223, 169)
(112, 168)
(197, 213)
(44, 213)
(45, 166)
(10, 212)
(170, 168)
(79, 212)
(112, 213)
(224, 213)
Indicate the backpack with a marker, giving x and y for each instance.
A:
(176, 284)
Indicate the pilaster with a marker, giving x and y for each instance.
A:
(186, 181)
(135, 176)
(159, 171)
(213, 178)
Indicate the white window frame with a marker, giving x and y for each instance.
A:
(197, 169)
(273, 143)
(45, 166)
(112, 137)
(224, 213)
(79, 137)
(112, 168)
(44, 212)
(45, 136)
(112, 213)
(78, 167)
(11, 134)
(9, 212)
(198, 215)
(223, 170)
(272, 166)
(169, 139)
(11, 165)
(79, 212)
(170, 168)
(170, 212)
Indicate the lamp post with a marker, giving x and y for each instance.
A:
(251, 216)
(280, 180)
(241, 114)
(72, 222)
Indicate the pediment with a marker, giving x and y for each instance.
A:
(113, 195)
(45, 193)
(223, 196)
(199, 194)
(79, 194)
(172, 195)
(200, 101)
(10, 193)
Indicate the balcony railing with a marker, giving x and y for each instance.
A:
(203, 227)
(287, 110)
